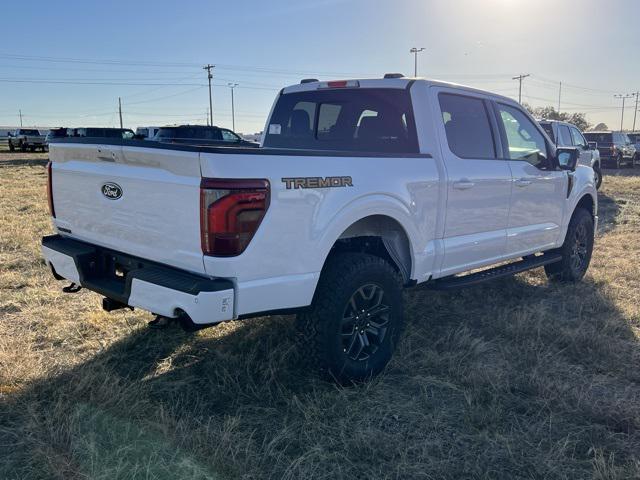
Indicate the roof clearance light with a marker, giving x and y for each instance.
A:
(339, 84)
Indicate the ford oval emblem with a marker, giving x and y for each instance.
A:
(112, 191)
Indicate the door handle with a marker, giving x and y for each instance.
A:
(463, 184)
(105, 154)
(522, 182)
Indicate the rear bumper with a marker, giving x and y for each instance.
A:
(140, 283)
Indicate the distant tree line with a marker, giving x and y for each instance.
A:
(579, 119)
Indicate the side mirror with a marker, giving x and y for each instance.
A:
(567, 158)
(593, 145)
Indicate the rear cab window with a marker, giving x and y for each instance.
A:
(599, 137)
(344, 119)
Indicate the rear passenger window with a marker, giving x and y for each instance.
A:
(524, 140)
(565, 136)
(466, 123)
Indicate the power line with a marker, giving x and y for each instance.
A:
(67, 82)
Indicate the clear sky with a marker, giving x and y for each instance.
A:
(66, 63)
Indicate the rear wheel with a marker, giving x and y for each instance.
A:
(23, 147)
(354, 323)
(32, 148)
(576, 249)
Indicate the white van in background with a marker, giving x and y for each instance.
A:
(147, 132)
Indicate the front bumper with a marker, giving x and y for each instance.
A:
(140, 283)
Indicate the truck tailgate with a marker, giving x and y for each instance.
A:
(140, 201)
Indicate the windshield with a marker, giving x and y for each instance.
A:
(367, 120)
(30, 132)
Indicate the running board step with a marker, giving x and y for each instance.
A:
(455, 282)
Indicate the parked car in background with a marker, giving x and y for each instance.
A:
(123, 133)
(147, 133)
(202, 135)
(54, 133)
(24, 139)
(564, 134)
(635, 140)
(615, 148)
(4, 136)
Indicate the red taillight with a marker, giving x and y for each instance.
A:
(52, 211)
(230, 214)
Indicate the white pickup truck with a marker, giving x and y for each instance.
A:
(361, 188)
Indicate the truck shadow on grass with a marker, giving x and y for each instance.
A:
(515, 379)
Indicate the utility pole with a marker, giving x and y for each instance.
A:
(120, 110)
(208, 67)
(20, 112)
(520, 78)
(623, 96)
(559, 97)
(233, 112)
(415, 52)
(635, 111)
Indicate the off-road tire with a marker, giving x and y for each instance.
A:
(598, 175)
(618, 162)
(345, 277)
(23, 147)
(32, 148)
(12, 148)
(576, 250)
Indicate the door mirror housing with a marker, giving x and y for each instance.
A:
(567, 158)
(593, 145)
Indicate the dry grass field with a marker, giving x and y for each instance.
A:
(515, 379)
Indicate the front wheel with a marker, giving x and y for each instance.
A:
(352, 328)
(597, 174)
(12, 148)
(618, 162)
(576, 250)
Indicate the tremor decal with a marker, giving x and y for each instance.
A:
(316, 182)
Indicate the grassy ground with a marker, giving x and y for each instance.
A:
(517, 379)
